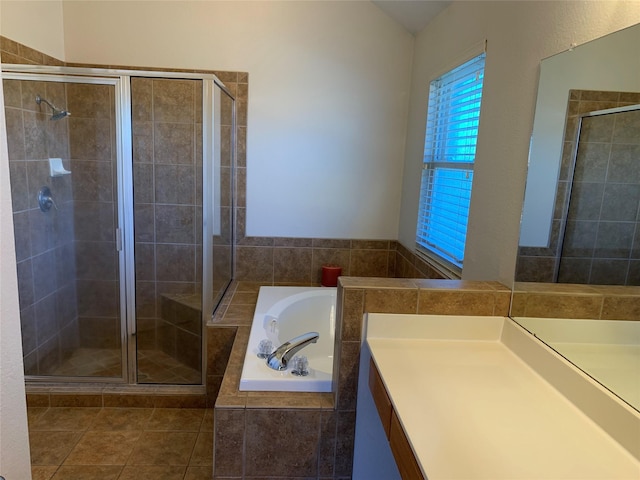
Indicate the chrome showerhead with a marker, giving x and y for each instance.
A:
(57, 113)
(60, 114)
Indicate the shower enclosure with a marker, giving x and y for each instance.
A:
(122, 203)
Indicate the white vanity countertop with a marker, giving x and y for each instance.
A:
(471, 408)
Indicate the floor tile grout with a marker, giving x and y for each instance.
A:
(164, 424)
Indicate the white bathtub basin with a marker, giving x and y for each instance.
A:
(281, 314)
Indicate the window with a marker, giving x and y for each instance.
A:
(449, 153)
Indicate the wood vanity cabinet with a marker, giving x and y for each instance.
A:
(400, 447)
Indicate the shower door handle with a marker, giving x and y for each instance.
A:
(118, 240)
(131, 326)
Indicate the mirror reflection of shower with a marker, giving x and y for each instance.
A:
(594, 236)
(600, 241)
(56, 113)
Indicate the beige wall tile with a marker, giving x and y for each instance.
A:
(368, 263)
(76, 400)
(345, 435)
(348, 375)
(229, 442)
(219, 344)
(391, 301)
(37, 399)
(621, 308)
(292, 265)
(124, 400)
(502, 303)
(254, 263)
(352, 308)
(327, 447)
(456, 303)
(563, 306)
(275, 455)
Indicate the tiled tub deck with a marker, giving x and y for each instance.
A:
(293, 435)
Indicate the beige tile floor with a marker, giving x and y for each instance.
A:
(121, 443)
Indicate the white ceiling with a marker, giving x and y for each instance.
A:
(413, 15)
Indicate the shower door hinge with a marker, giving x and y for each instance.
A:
(118, 239)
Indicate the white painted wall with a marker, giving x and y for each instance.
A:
(328, 94)
(519, 35)
(35, 23)
(328, 100)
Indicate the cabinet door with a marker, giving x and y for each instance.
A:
(402, 452)
(380, 397)
(400, 447)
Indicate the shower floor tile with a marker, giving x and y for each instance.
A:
(154, 366)
(91, 362)
(121, 443)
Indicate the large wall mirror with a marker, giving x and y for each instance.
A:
(580, 216)
(583, 186)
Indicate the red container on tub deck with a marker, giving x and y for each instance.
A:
(330, 274)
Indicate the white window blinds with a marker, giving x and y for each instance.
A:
(450, 147)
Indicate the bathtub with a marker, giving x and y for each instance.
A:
(281, 314)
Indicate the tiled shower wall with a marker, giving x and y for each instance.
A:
(44, 240)
(170, 181)
(601, 238)
(67, 261)
(93, 167)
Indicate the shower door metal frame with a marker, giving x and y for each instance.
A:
(61, 75)
(125, 241)
(210, 138)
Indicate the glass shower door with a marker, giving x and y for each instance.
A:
(109, 220)
(220, 197)
(167, 177)
(65, 208)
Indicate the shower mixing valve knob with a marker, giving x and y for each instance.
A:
(45, 200)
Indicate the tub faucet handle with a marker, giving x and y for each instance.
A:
(265, 348)
(279, 359)
(300, 366)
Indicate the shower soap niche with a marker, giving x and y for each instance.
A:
(56, 169)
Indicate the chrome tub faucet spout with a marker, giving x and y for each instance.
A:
(280, 357)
